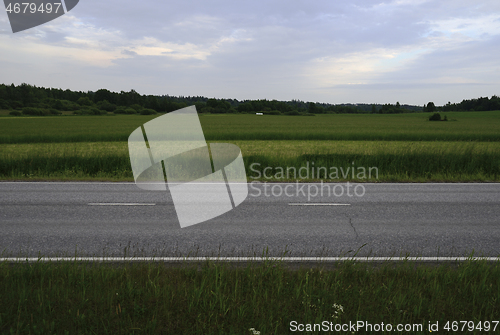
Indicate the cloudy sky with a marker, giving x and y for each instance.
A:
(358, 51)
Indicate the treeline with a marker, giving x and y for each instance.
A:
(480, 104)
(31, 100)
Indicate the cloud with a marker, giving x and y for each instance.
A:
(322, 51)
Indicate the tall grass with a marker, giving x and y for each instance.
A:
(471, 126)
(215, 298)
(390, 161)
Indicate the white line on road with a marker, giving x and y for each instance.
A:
(247, 259)
(118, 204)
(317, 204)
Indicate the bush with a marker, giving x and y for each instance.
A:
(89, 111)
(275, 112)
(15, 113)
(435, 117)
(95, 111)
(148, 111)
(35, 111)
(207, 110)
(70, 105)
(54, 111)
(57, 104)
(292, 113)
(105, 105)
(120, 110)
(137, 107)
(4, 104)
(84, 101)
(130, 111)
(16, 104)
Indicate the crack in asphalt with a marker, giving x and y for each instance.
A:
(352, 226)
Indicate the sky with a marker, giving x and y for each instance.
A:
(361, 51)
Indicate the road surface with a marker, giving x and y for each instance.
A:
(117, 219)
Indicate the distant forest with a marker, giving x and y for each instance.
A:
(26, 99)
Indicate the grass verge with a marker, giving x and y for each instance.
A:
(215, 298)
(371, 161)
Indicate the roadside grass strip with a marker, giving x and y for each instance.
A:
(330, 161)
(214, 297)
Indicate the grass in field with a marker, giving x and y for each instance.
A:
(393, 160)
(403, 147)
(471, 126)
(214, 298)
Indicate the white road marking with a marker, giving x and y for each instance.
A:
(118, 204)
(317, 204)
(245, 259)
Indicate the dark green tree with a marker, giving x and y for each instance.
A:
(431, 108)
(103, 94)
(84, 101)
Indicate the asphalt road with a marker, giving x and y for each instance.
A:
(117, 219)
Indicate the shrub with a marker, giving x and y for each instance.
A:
(35, 111)
(148, 111)
(130, 111)
(95, 111)
(84, 101)
(89, 111)
(292, 113)
(4, 104)
(15, 113)
(207, 110)
(70, 105)
(137, 107)
(57, 104)
(54, 111)
(435, 117)
(120, 110)
(16, 104)
(275, 112)
(106, 105)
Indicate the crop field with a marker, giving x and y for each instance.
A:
(400, 147)
(470, 126)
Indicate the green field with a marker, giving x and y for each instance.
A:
(214, 298)
(402, 147)
(470, 126)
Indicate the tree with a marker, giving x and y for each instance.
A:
(152, 103)
(103, 94)
(431, 108)
(84, 101)
(106, 105)
(58, 105)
